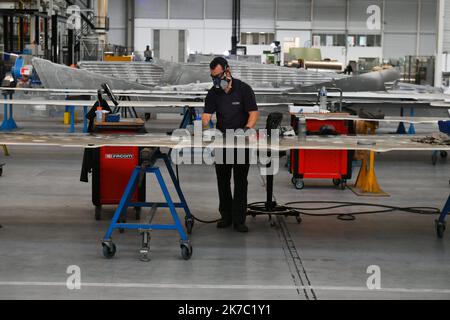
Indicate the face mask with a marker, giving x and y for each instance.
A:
(220, 83)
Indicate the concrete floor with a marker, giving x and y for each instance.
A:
(48, 225)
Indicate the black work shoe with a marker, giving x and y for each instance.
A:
(222, 224)
(240, 228)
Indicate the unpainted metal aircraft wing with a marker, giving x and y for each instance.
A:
(59, 76)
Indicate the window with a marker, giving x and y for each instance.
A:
(257, 38)
(338, 40)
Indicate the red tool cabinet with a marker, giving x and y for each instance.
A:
(112, 168)
(322, 164)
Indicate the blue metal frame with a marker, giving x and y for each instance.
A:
(85, 123)
(401, 129)
(187, 117)
(8, 120)
(444, 211)
(412, 129)
(129, 190)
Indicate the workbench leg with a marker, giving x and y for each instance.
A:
(72, 119)
(401, 126)
(369, 183)
(362, 176)
(5, 118)
(85, 122)
(5, 150)
(8, 120)
(412, 129)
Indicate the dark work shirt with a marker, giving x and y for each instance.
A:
(233, 108)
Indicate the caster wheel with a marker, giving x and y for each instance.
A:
(137, 212)
(189, 223)
(343, 184)
(144, 255)
(434, 159)
(1, 172)
(298, 183)
(186, 251)
(109, 250)
(440, 229)
(336, 182)
(299, 219)
(98, 213)
(444, 154)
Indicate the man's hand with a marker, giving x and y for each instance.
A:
(252, 119)
(206, 118)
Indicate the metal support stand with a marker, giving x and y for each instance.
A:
(367, 181)
(401, 126)
(5, 150)
(124, 110)
(270, 207)
(85, 122)
(149, 157)
(8, 120)
(72, 119)
(412, 129)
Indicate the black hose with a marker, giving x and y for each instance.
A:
(204, 221)
(288, 208)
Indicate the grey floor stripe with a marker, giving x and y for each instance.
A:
(296, 267)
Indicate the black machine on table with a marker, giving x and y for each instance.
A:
(123, 111)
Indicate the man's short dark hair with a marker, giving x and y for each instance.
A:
(219, 61)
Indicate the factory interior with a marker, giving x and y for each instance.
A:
(224, 150)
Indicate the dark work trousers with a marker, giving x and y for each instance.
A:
(233, 208)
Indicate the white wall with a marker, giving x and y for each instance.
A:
(204, 36)
(117, 22)
(400, 24)
(214, 36)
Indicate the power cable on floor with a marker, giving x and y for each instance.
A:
(288, 208)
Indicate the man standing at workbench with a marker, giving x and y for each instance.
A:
(234, 103)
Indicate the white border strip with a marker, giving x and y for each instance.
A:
(212, 286)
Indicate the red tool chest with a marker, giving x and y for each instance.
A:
(322, 164)
(112, 168)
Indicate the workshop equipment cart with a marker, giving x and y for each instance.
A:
(148, 157)
(322, 164)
